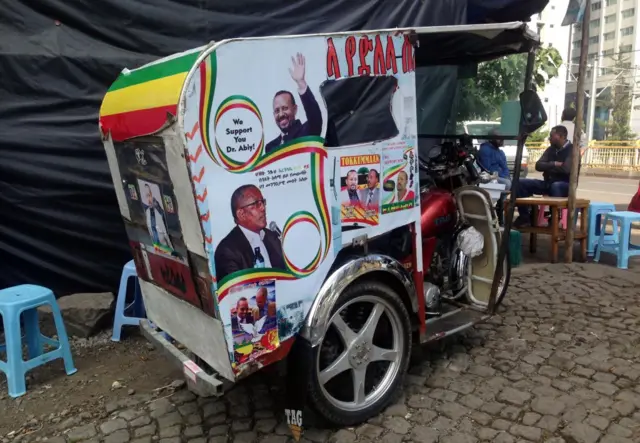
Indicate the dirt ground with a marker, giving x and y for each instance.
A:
(55, 399)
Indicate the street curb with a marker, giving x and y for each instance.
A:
(611, 174)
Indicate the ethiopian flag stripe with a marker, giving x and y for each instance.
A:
(139, 101)
(151, 94)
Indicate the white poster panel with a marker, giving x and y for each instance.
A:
(276, 200)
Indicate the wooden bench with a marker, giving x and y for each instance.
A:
(557, 234)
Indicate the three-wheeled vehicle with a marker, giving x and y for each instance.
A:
(280, 204)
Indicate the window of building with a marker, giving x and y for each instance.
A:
(591, 56)
(611, 18)
(575, 60)
(607, 52)
(594, 40)
(611, 2)
(628, 12)
(596, 6)
(577, 44)
(594, 23)
(609, 36)
(626, 31)
(626, 48)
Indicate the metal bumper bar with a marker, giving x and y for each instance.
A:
(198, 381)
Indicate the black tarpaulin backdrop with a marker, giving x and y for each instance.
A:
(59, 220)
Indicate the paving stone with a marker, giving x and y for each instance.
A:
(420, 401)
(604, 388)
(112, 426)
(616, 439)
(245, 437)
(397, 425)
(173, 431)
(343, 436)
(367, 431)
(501, 425)
(241, 425)
(141, 440)
(530, 418)
(130, 414)
(581, 433)
(219, 439)
(121, 436)
(452, 410)
(487, 434)
(140, 421)
(443, 424)
(546, 405)
(619, 431)
(82, 433)
(390, 437)
(145, 431)
(458, 437)
(548, 423)
(514, 397)
(169, 420)
(425, 434)
(171, 440)
(193, 432)
(218, 430)
(598, 421)
(528, 432)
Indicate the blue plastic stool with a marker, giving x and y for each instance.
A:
(24, 300)
(597, 210)
(131, 314)
(622, 247)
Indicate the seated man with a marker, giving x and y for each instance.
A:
(555, 165)
(493, 159)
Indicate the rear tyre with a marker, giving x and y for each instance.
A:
(361, 362)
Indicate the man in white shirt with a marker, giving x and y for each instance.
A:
(568, 121)
(250, 244)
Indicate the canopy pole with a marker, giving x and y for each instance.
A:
(579, 128)
(508, 221)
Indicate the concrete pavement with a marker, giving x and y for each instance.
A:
(560, 363)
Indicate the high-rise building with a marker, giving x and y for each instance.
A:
(613, 33)
(548, 25)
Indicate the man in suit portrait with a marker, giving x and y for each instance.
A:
(370, 196)
(242, 314)
(237, 251)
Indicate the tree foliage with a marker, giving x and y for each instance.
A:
(500, 80)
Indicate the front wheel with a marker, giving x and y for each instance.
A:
(506, 277)
(362, 359)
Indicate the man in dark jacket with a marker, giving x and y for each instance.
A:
(285, 109)
(555, 165)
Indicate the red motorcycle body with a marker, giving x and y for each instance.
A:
(439, 212)
(439, 217)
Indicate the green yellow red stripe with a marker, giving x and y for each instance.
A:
(138, 102)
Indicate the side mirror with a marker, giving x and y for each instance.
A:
(533, 115)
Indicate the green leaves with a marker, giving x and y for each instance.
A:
(501, 80)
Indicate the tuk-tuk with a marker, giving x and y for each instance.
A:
(274, 195)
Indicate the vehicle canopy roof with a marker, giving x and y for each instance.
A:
(145, 100)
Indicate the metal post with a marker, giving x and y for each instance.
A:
(593, 98)
(504, 244)
(573, 179)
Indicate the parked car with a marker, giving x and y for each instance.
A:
(482, 128)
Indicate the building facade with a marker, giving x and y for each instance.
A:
(613, 34)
